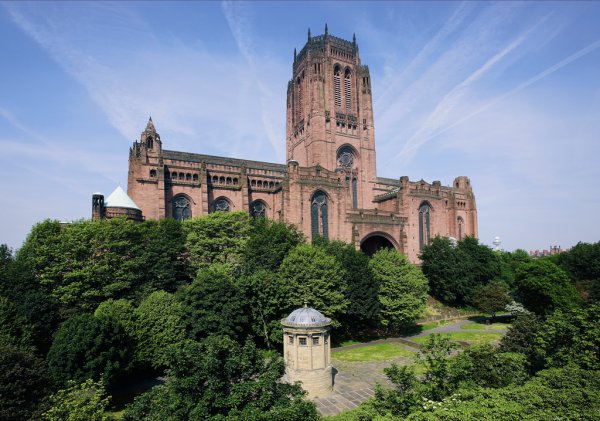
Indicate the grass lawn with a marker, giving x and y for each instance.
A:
(492, 326)
(474, 338)
(433, 325)
(376, 352)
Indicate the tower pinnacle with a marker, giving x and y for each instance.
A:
(326, 30)
(308, 34)
(150, 126)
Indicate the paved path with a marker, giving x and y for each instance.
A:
(354, 382)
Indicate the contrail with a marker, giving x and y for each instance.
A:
(539, 76)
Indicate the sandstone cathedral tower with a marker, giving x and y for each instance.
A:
(329, 185)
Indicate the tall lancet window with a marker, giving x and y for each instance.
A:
(347, 91)
(424, 225)
(181, 208)
(337, 95)
(299, 96)
(318, 215)
(460, 224)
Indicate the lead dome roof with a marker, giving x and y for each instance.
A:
(120, 199)
(306, 317)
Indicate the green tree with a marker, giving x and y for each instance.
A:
(486, 366)
(520, 338)
(509, 262)
(581, 262)
(264, 294)
(79, 402)
(219, 237)
(455, 273)
(435, 357)
(492, 298)
(544, 287)
(269, 242)
(24, 384)
(89, 347)
(362, 292)
(404, 397)
(312, 276)
(14, 328)
(402, 288)
(220, 379)
(159, 327)
(571, 337)
(214, 305)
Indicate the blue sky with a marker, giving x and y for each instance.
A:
(505, 93)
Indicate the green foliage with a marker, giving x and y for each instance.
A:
(492, 298)
(219, 378)
(544, 287)
(363, 305)
(581, 262)
(219, 237)
(79, 402)
(556, 394)
(14, 328)
(266, 301)
(268, 244)
(23, 384)
(455, 273)
(571, 337)
(485, 366)
(159, 327)
(122, 311)
(214, 305)
(311, 275)
(89, 347)
(402, 288)
(520, 338)
(509, 262)
(87, 262)
(435, 357)
(405, 396)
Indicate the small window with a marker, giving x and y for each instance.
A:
(315, 340)
(188, 177)
(302, 341)
(152, 173)
(291, 340)
(195, 177)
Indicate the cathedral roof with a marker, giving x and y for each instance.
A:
(120, 199)
(306, 317)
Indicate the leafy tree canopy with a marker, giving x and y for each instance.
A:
(402, 288)
(492, 298)
(14, 328)
(219, 378)
(88, 347)
(544, 287)
(312, 276)
(79, 402)
(24, 384)
(362, 291)
(219, 237)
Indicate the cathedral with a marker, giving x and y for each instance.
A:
(328, 186)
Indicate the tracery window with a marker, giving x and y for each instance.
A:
(182, 208)
(347, 91)
(222, 205)
(424, 225)
(336, 87)
(149, 142)
(318, 215)
(258, 209)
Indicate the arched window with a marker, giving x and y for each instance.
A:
(318, 215)
(354, 194)
(195, 177)
(460, 223)
(345, 157)
(347, 91)
(228, 181)
(152, 173)
(221, 180)
(188, 177)
(253, 183)
(182, 208)
(424, 225)
(336, 86)
(149, 142)
(222, 205)
(258, 209)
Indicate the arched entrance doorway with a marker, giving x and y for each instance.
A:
(375, 242)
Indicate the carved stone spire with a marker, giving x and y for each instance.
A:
(308, 34)
(326, 30)
(294, 55)
(150, 126)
